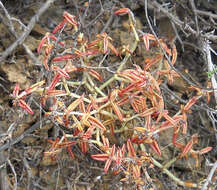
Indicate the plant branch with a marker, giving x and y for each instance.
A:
(209, 178)
(29, 28)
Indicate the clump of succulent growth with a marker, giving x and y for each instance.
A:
(97, 114)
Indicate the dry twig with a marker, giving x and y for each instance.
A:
(209, 178)
(29, 28)
(10, 26)
(24, 134)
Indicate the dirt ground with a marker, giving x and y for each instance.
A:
(190, 26)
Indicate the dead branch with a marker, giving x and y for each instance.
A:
(207, 52)
(175, 69)
(182, 25)
(24, 134)
(10, 26)
(205, 13)
(15, 174)
(209, 178)
(29, 28)
(3, 173)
